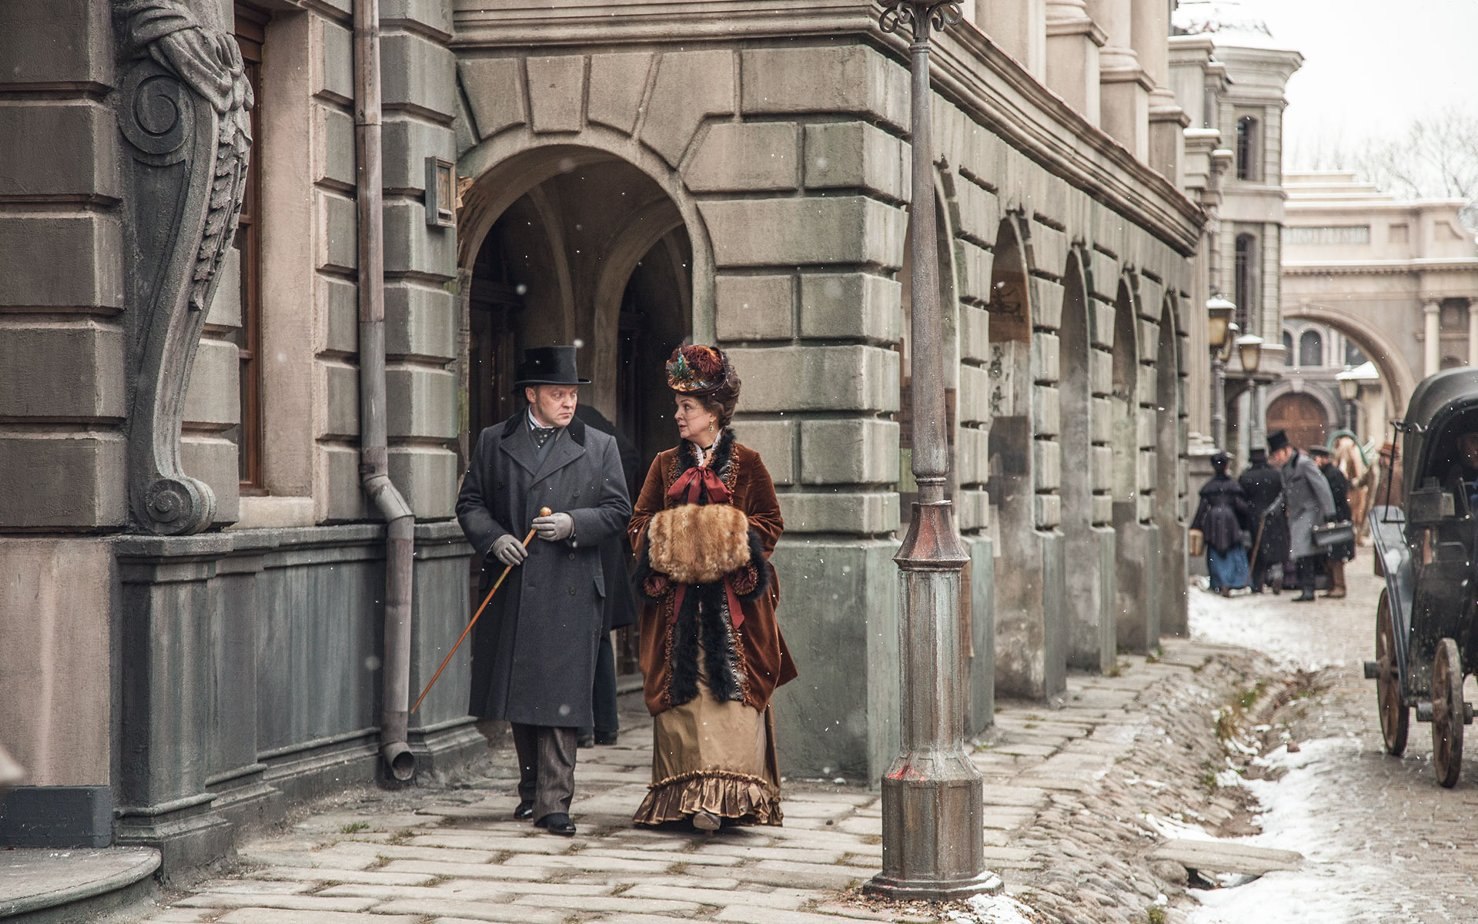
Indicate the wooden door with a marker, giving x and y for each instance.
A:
(1302, 417)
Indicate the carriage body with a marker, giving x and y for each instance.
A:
(1426, 638)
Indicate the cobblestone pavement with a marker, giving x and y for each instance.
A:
(1384, 843)
(1072, 794)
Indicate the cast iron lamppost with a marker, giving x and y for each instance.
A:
(933, 840)
(1219, 326)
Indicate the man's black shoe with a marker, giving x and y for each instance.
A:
(525, 810)
(1304, 597)
(557, 823)
(585, 741)
(605, 737)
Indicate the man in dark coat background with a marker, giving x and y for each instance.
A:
(1309, 503)
(1339, 489)
(534, 652)
(1263, 485)
(620, 604)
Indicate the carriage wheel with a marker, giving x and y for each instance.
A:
(1395, 715)
(1447, 713)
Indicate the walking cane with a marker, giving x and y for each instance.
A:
(543, 512)
(1257, 545)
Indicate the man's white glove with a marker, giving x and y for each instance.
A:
(509, 550)
(555, 527)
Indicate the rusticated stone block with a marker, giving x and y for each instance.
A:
(433, 15)
(333, 161)
(1046, 357)
(420, 402)
(754, 307)
(1105, 275)
(972, 512)
(1046, 410)
(338, 313)
(412, 246)
(333, 60)
(975, 391)
(745, 157)
(494, 89)
(830, 378)
(1149, 340)
(1047, 465)
(855, 155)
(419, 74)
(225, 305)
(835, 79)
(616, 85)
(56, 41)
(407, 144)
(974, 333)
(213, 459)
(428, 478)
(1049, 248)
(973, 267)
(1046, 303)
(94, 275)
(972, 455)
(338, 246)
(774, 440)
(340, 390)
(214, 393)
(86, 131)
(63, 480)
(858, 513)
(31, 357)
(1047, 510)
(851, 305)
(556, 93)
(788, 232)
(857, 451)
(419, 322)
(980, 213)
(691, 86)
(341, 497)
(1100, 421)
(1101, 372)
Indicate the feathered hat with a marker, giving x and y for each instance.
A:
(704, 372)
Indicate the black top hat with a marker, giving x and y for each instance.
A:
(1257, 454)
(1276, 441)
(551, 365)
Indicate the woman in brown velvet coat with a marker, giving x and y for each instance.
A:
(711, 649)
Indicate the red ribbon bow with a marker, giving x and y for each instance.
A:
(689, 485)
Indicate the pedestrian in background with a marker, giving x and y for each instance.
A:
(1309, 503)
(1388, 487)
(534, 653)
(1224, 519)
(1263, 486)
(620, 605)
(711, 649)
(1339, 488)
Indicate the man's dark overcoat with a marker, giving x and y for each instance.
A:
(533, 651)
(1309, 503)
(1263, 485)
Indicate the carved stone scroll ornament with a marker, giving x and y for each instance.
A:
(182, 106)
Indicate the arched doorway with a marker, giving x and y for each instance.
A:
(1090, 549)
(592, 252)
(1302, 417)
(1170, 506)
(1135, 603)
(1031, 635)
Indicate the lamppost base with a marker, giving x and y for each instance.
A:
(933, 890)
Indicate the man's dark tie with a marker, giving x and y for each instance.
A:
(541, 435)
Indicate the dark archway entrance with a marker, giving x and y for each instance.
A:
(1136, 605)
(594, 254)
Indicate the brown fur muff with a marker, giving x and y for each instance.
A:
(698, 544)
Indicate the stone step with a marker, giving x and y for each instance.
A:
(55, 886)
(1227, 857)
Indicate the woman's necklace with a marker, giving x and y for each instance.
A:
(705, 454)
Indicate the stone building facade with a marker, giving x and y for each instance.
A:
(1371, 278)
(1231, 74)
(624, 178)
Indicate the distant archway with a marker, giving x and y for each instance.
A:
(1303, 417)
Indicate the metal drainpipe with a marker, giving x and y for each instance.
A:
(374, 466)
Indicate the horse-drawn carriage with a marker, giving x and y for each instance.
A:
(1426, 534)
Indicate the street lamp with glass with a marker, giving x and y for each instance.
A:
(1219, 328)
(933, 812)
(1349, 390)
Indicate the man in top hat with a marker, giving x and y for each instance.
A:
(1263, 486)
(1308, 502)
(534, 650)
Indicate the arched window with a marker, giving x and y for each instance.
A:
(1288, 348)
(1248, 167)
(1354, 356)
(1311, 349)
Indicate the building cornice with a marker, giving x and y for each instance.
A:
(970, 70)
(1379, 267)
